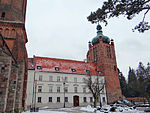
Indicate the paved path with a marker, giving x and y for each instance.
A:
(69, 110)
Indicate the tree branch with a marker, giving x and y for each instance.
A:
(145, 15)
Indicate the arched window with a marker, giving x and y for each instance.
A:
(13, 33)
(6, 33)
(108, 51)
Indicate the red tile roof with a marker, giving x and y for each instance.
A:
(65, 66)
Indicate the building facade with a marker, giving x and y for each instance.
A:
(49, 75)
(14, 70)
(61, 83)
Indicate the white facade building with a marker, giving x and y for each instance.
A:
(60, 83)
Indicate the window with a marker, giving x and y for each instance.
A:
(58, 99)
(84, 89)
(40, 77)
(75, 80)
(108, 52)
(95, 54)
(66, 79)
(39, 67)
(84, 80)
(57, 68)
(115, 68)
(66, 99)
(50, 78)
(6, 32)
(39, 89)
(39, 99)
(66, 89)
(104, 99)
(58, 78)
(91, 99)
(97, 99)
(58, 89)
(1, 30)
(73, 70)
(50, 88)
(75, 89)
(50, 99)
(3, 15)
(2, 68)
(13, 33)
(84, 99)
(14, 81)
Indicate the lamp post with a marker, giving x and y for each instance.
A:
(64, 93)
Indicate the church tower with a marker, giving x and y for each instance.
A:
(12, 29)
(102, 54)
(13, 10)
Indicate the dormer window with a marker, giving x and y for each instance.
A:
(39, 67)
(88, 71)
(57, 68)
(73, 70)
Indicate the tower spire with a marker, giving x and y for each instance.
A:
(99, 28)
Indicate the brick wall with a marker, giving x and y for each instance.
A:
(5, 71)
(12, 28)
(14, 10)
(12, 89)
(13, 75)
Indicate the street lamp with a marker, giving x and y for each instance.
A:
(64, 93)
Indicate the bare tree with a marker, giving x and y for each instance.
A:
(95, 86)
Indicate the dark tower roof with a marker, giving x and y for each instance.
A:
(105, 39)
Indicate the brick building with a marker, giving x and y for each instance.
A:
(13, 55)
(102, 54)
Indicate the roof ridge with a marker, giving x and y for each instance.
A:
(59, 59)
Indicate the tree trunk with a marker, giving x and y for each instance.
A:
(95, 102)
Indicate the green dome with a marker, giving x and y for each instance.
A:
(105, 39)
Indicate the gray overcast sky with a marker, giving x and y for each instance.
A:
(60, 29)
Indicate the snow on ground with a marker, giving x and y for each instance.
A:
(89, 109)
(107, 108)
(45, 111)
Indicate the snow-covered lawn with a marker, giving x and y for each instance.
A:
(89, 109)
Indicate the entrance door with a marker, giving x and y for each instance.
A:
(76, 101)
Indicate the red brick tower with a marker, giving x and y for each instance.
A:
(12, 29)
(102, 53)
